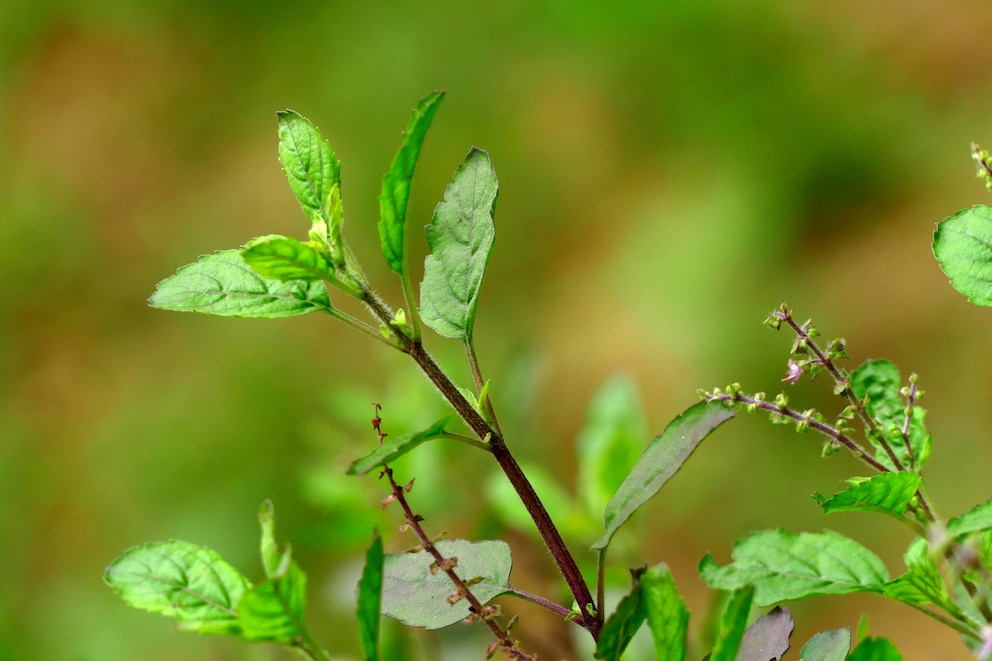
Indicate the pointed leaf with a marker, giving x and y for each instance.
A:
(620, 627)
(224, 284)
(875, 649)
(310, 165)
(667, 616)
(396, 184)
(660, 461)
(879, 381)
(394, 448)
(610, 441)
(976, 519)
(768, 638)
(370, 600)
(733, 623)
(285, 259)
(962, 245)
(461, 239)
(190, 583)
(273, 611)
(830, 645)
(922, 584)
(418, 598)
(269, 548)
(784, 566)
(888, 493)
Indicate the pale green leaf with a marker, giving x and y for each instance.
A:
(269, 548)
(768, 638)
(962, 245)
(417, 597)
(190, 583)
(224, 284)
(785, 566)
(310, 165)
(922, 584)
(370, 600)
(888, 493)
(610, 442)
(394, 448)
(830, 645)
(667, 616)
(878, 382)
(460, 238)
(396, 184)
(663, 457)
(571, 520)
(976, 519)
(733, 623)
(273, 611)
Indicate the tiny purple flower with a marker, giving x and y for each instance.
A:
(793, 373)
(986, 649)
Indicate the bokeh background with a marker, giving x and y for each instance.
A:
(670, 171)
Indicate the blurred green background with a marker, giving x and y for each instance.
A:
(670, 172)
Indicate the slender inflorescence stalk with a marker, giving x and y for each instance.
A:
(590, 618)
(488, 614)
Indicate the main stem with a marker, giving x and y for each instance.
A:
(549, 533)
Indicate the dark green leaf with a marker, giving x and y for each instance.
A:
(889, 493)
(875, 649)
(963, 246)
(310, 166)
(660, 461)
(285, 259)
(419, 598)
(827, 646)
(620, 627)
(273, 611)
(768, 638)
(396, 184)
(976, 519)
(190, 583)
(461, 239)
(370, 599)
(733, 623)
(224, 284)
(394, 448)
(667, 616)
(785, 566)
(879, 381)
(610, 441)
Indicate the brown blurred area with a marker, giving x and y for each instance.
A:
(669, 173)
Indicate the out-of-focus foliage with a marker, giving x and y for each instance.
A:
(669, 171)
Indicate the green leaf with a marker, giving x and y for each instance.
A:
(667, 616)
(370, 599)
(502, 498)
(610, 441)
(827, 646)
(460, 238)
(419, 598)
(976, 519)
(273, 611)
(620, 627)
(191, 583)
(285, 259)
(396, 184)
(224, 284)
(785, 566)
(879, 381)
(660, 461)
(311, 167)
(733, 623)
(922, 584)
(768, 638)
(962, 245)
(875, 649)
(394, 448)
(269, 548)
(888, 493)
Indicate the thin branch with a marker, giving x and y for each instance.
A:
(558, 609)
